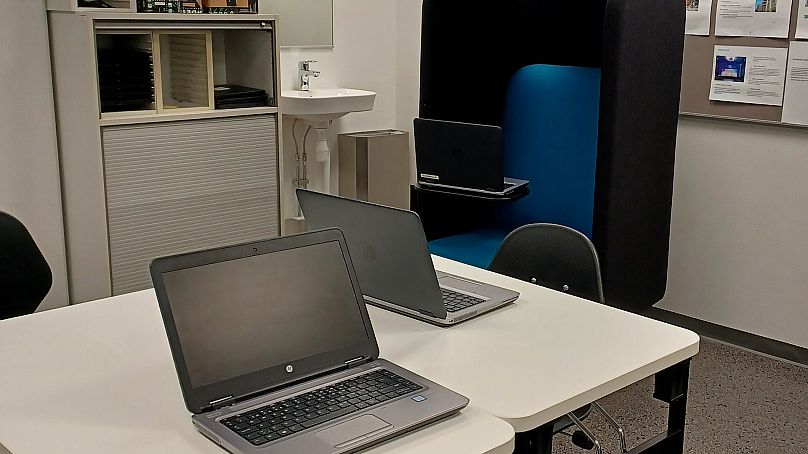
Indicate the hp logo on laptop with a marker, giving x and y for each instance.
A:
(289, 368)
(367, 251)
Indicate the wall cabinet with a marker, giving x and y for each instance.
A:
(152, 162)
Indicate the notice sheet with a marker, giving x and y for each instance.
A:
(761, 18)
(751, 75)
(802, 20)
(698, 17)
(795, 105)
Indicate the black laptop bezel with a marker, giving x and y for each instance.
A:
(481, 148)
(198, 399)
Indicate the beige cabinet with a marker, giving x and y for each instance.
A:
(163, 171)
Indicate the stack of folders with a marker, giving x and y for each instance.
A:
(125, 80)
(237, 96)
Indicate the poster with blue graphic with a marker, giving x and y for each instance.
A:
(750, 75)
(730, 68)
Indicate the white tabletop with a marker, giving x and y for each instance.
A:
(537, 359)
(98, 378)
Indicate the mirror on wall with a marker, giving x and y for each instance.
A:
(302, 23)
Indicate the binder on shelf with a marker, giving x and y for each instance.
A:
(125, 80)
(237, 96)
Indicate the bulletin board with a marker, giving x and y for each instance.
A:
(697, 74)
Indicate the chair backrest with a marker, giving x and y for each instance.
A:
(553, 256)
(25, 277)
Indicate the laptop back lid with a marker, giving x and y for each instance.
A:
(462, 155)
(246, 319)
(388, 246)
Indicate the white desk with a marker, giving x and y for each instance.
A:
(98, 378)
(539, 358)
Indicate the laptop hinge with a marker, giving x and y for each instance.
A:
(221, 403)
(356, 361)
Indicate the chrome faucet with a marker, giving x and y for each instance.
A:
(304, 72)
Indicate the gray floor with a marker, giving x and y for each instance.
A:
(739, 402)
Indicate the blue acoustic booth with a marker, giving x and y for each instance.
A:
(588, 98)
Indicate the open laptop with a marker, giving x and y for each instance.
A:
(393, 263)
(461, 157)
(275, 352)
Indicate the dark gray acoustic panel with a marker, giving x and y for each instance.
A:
(471, 49)
(636, 147)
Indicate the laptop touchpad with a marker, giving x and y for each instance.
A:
(352, 431)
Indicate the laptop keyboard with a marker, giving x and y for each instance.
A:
(283, 418)
(455, 301)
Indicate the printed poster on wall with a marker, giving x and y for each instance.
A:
(802, 20)
(750, 75)
(795, 105)
(698, 17)
(760, 18)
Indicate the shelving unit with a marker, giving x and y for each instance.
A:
(73, 5)
(190, 62)
(156, 155)
(156, 6)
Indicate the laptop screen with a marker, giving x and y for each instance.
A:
(252, 313)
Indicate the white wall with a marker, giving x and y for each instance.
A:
(408, 68)
(364, 56)
(29, 169)
(739, 233)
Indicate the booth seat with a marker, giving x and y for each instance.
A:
(550, 137)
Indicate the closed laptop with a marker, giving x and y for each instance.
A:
(462, 157)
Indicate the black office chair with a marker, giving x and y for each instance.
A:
(25, 277)
(562, 259)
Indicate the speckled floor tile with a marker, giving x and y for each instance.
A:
(739, 402)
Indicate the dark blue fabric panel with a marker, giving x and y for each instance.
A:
(476, 248)
(550, 133)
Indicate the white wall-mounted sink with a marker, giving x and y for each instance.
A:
(325, 104)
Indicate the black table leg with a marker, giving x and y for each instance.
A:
(670, 386)
(536, 441)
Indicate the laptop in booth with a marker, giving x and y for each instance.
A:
(393, 263)
(461, 157)
(275, 352)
